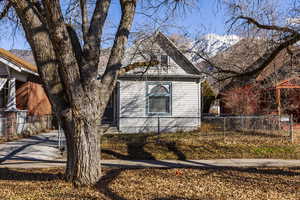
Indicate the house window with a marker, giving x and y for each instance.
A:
(164, 60)
(153, 57)
(159, 99)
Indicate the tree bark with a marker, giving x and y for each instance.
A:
(79, 113)
(83, 151)
(69, 72)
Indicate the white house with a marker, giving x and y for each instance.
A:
(162, 98)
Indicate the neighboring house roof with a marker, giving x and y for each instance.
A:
(236, 58)
(283, 66)
(239, 58)
(25, 54)
(16, 62)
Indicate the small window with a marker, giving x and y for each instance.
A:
(210, 68)
(159, 99)
(153, 57)
(164, 60)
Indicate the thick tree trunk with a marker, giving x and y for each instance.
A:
(69, 76)
(83, 151)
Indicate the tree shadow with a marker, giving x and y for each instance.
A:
(178, 198)
(135, 150)
(9, 174)
(224, 173)
(107, 179)
(115, 154)
(33, 140)
(173, 148)
(104, 182)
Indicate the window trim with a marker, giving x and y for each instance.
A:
(156, 83)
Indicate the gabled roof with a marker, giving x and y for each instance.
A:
(16, 62)
(162, 41)
(284, 64)
(180, 59)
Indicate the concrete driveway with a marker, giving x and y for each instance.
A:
(39, 150)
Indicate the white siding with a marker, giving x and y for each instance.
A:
(132, 98)
(185, 114)
(132, 57)
(185, 99)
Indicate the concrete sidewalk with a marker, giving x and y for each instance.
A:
(41, 151)
(201, 163)
(162, 163)
(35, 150)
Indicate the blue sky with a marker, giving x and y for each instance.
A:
(207, 18)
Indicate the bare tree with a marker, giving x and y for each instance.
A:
(67, 61)
(278, 28)
(261, 23)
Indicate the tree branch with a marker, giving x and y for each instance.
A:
(121, 38)
(208, 61)
(65, 53)
(91, 48)
(268, 27)
(38, 37)
(84, 19)
(5, 10)
(75, 43)
(117, 52)
(255, 68)
(133, 66)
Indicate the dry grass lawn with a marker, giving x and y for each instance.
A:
(155, 184)
(3, 140)
(198, 146)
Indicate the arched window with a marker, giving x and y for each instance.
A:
(159, 99)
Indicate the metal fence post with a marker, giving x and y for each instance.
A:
(48, 121)
(291, 128)
(243, 124)
(158, 125)
(224, 126)
(59, 137)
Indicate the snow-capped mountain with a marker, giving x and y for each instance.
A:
(211, 44)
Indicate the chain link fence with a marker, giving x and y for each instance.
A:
(158, 124)
(19, 124)
(264, 127)
(267, 125)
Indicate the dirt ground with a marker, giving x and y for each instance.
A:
(156, 184)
